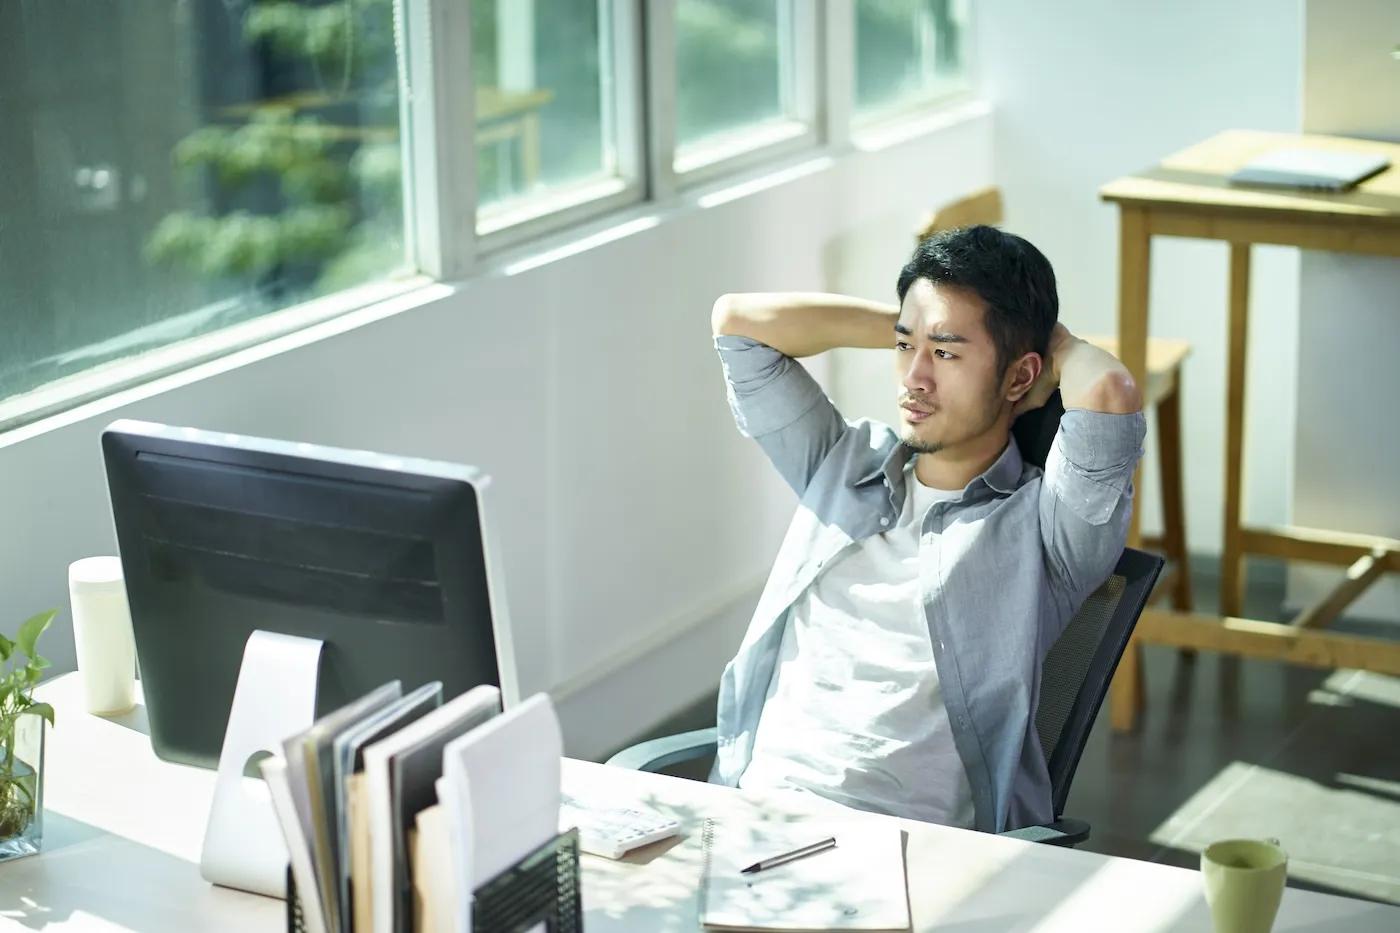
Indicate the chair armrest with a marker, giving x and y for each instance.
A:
(664, 752)
(1062, 832)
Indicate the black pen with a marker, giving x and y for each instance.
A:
(812, 849)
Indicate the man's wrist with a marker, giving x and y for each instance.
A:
(878, 330)
(1062, 345)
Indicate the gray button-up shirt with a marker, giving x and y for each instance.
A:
(1005, 566)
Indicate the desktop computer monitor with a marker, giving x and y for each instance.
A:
(385, 560)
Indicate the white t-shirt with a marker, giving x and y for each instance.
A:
(854, 712)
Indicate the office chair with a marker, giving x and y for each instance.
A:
(1074, 678)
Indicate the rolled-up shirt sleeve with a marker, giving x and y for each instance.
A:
(776, 402)
(1087, 497)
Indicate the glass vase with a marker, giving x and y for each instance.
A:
(22, 788)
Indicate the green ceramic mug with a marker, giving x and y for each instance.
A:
(1244, 880)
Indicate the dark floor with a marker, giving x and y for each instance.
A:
(1231, 747)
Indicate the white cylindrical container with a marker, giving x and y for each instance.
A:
(102, 635)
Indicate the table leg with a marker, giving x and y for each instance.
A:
(1128, 692)
(1170, 462)
(1134, 279)
(1232, 570)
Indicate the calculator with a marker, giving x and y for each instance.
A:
(612, 831)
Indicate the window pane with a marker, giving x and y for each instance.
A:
(730, 68)
(544, 107)
(172, 168)
(908, 52)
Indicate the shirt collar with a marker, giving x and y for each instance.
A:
(1003, 475)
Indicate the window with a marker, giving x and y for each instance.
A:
(174, 168)
(553, 122)
(908, 53)
(742, 77)
(729, 67)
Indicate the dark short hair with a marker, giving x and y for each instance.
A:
(1013, 277)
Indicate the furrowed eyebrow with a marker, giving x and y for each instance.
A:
(934, 336)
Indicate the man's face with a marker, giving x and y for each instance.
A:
(951, 389)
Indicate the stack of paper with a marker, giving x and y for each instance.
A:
(855, 884)
(397, 807)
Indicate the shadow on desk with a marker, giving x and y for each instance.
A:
(957, 881)
(135, 719)
(62, 833)
(84, 871)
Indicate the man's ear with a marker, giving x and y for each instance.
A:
(1021, 375)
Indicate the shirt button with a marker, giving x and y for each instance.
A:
(884, 521)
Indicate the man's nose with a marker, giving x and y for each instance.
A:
(919, 376)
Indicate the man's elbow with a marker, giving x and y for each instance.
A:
(723, 315)
(1116, 393)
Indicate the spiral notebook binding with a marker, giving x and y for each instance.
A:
(707, 839)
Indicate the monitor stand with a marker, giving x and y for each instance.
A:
(275, 698)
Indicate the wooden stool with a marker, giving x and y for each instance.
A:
(1162, 392)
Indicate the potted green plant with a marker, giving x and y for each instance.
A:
(22, 740)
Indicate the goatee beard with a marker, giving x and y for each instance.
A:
(921, 447)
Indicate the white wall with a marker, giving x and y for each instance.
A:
(1087, 90)
(1084, 91)
(635, 523)
(1347, 446)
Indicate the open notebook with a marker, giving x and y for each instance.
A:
(858, 885)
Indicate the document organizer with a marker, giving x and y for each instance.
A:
(543, 887)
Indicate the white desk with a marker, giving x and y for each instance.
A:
(123, 831)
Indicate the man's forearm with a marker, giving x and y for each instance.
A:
(1093, 379)
(804, 323)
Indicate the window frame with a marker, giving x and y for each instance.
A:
(878, 120)
(746, 147)
(438, 119)
(533, 217)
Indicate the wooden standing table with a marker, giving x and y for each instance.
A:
(1189, 195)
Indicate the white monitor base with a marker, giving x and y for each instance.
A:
(275, 699)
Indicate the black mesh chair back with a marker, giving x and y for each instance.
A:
(1079, 667)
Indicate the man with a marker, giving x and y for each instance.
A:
(893, 663)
